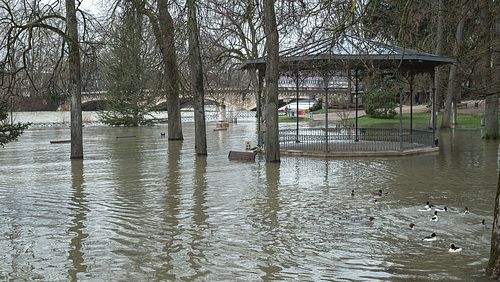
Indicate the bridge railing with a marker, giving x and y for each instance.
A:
(189, 116)
(350, 139)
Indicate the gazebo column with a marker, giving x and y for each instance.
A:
(400, 79)
(326, 81)
(434, 113)
(411, 103)
(261, 75)
(356, 84)
(297, 87)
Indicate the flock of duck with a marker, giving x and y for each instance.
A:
(427, 207)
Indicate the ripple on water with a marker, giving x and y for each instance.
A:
(147, 209)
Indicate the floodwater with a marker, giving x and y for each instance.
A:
(143, 208)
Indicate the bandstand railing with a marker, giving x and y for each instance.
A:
(350, 139)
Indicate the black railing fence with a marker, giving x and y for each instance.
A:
(350, 139)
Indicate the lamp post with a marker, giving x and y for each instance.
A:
(11, 106)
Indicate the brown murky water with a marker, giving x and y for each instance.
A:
(144, 208)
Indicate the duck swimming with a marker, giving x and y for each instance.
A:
(441, 210)
(410, 228)
(370, 221)
(466, 211)
(430, 238)
(435, 217)
(379, 193)
(483, 224)
(454, 249)
(427, 206)
(352, 193)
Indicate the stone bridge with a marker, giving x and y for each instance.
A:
(235, 99)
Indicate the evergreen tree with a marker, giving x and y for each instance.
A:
(380, 100)
(8, 132)
(130, 97)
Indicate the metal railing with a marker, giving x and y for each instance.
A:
(350, 139)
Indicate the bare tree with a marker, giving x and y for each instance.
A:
(272, 76)
(75, 83)
(450, 92)
(196, 80)
(491, 101)
(20, 22)
(163, 30)
(493, 268)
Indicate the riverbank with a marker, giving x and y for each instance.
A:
(466, 107)
(91, 117)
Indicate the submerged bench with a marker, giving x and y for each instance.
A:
(243, 156)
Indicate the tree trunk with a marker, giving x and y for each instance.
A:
(163, 30)
(166, 40)
(491, 101)
(195, 65)
(272, 75)
(493, 268)
(75, 81)
(450, 93)
(437, 75)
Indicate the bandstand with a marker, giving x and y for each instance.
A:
(352, 55)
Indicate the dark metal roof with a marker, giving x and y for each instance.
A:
(354, 53)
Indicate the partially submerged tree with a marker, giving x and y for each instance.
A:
(131, 95)
(163, 29)
(271, 90)
(196, 68)
(8, 131)
(75, 81)
(19, 25)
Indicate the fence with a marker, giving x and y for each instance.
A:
(350, 139)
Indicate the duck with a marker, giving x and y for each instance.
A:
(410, 228)
(466, 211)
(430, 238)
(454, 249)
(483, 224)
(441, 210)
(370, 221)
(428, 205)
(435, 217)
(379, 193)
(352, 193)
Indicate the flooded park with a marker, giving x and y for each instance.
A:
(145, 208)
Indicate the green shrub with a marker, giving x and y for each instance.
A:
(380, 99)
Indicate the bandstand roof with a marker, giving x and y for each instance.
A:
(349, 52)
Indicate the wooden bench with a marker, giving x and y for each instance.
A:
(243, 156)
(60, 141)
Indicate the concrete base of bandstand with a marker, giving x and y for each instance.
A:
(349, 154)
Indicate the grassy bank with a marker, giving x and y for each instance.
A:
(421, 121)
(293, 119)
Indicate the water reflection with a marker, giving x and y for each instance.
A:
(146, 208)
(199, 243)
(171, 228)
(269, 225)
(79, 209)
